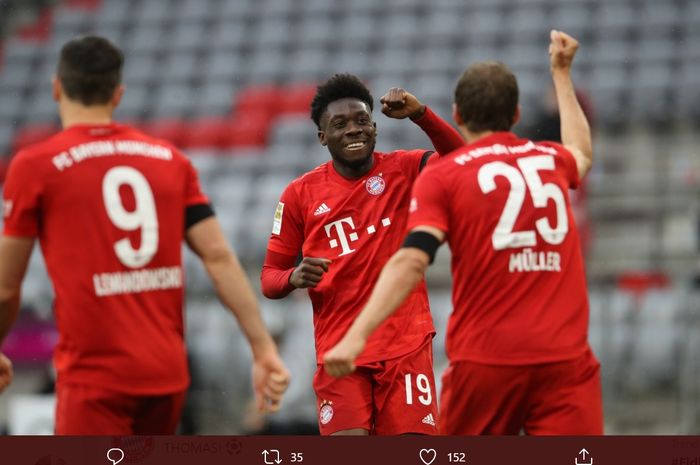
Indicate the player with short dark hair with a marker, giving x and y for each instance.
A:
(90, 70)
(340, 86)
(517, 338)
(111, 207)
(487, 97)
(347, 217)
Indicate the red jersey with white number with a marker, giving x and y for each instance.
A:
(519, 289)
(108, 206)
(358, 224)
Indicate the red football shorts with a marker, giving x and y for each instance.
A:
(393, 397)
(562, 398)
(88, 410)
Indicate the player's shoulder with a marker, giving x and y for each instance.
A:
(135, 134)
(131, 132)
(316, 175)
(400, 154)
(550, 147)
(47, 147)
(445, 163)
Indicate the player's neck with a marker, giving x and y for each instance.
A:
(472, 137)
(73, 114)
(353, 173)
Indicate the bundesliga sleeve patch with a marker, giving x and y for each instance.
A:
(6, 208)
(277, 223)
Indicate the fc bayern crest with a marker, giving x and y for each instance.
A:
(375, 185)
(325, 413)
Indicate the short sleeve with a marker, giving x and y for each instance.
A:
(193, 189)
(287, 224)
(22, 198)
(429, 201)
(569, 162)
(412, 161)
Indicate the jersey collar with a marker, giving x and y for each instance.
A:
(339, 179)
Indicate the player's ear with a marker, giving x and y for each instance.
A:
(456, 116)
(118, 94)
(516, 116)
(322, 138)
(56, 88)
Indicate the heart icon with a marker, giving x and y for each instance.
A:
(427, 456)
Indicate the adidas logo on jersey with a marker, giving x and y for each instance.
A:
(429, 420)
(322, 209)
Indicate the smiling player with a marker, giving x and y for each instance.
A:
(347, 218)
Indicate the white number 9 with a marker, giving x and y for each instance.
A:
(144, 215)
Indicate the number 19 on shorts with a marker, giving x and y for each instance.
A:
(425, 395)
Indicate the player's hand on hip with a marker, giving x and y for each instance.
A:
(5, 372)
(309, 272)
(270, 381)
(340, 360)
(562, 48)
(398, 103)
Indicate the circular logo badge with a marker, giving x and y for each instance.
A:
(325, 414)
(234, 447)
(375, 185)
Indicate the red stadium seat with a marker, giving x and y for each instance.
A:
(32, 134)
(297, 98)
(172, 130)
(639, 283)
(84, 4)
(248, 129)
(258, 99)
(39, 30)
(206, 133)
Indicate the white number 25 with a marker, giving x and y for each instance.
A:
(144, 215)
(503, 236)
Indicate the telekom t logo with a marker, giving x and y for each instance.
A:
(337, 228)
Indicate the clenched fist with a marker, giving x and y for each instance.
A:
(398, 103)
(562, 49)
(309, 272)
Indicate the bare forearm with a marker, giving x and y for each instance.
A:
(399, 277)
(575, 130)
(9, 308)
(234, 291)
(14, 257)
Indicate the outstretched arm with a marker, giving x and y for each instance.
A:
(14, 257)
(399, 104)
(575, 131)
(398, 278)
(270, 376)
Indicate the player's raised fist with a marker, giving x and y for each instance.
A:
(562, 48)
(309, 272)
(398, 103)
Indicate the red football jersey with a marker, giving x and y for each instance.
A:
(108, 206)
(519, 289)
(358, 224)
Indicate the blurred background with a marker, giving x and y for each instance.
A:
(230, 81)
